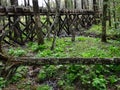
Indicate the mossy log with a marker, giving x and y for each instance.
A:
(8, 67)
(58, 61)
(3, 58)
(11, 64)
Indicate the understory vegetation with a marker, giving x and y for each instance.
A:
(83, 47)
(67, 77)
(31, 34)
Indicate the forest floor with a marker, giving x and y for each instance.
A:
(68, 77)
(82, 47)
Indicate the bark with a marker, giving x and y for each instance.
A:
(56, 23)
(8, 66)
(0, 2)
(75, 4)
(94, 5)
(66, 4)
(48, 19)
(59, 61)
(1, 38)
(103, 38)
(25, 2)
(11, 64)
(114, 13)
(109, 14)
(14, 2)
(40, 37)
(3, 58)
(16, 27)
(69, 4)
(73, 35)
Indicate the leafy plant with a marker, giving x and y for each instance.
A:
(47, 72)
(44, 53)
(99, 83)
(42, 75)
(2, 82)
(20, 73)
(113, 79)
(71, 77)
(17, 52)
(68, 87)
(82, 38)
(96, 29)
(51, 70)
(35, 47)
(61, 83)
(44, 87)
(59, 49)
(24, 85)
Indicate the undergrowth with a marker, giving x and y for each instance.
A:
(83, 47)
(71, 77)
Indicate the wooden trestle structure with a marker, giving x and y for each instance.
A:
(20, 26)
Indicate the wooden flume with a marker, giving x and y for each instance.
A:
(25, 17)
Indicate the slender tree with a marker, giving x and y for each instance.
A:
(40, 37)
(48, 19)
(16, 27)
(0, 2)
(109, 13)
(114, 13)
(94, 5)
(75, 4)
(55, 23)
(103, 38)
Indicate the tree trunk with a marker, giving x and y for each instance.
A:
(94, 5)
(48, 19)
(1, 38)
(0, 2)
(103, 39)
(66, 4)
(40, 37)
(56, 23)
(109, 14)
(16, 27)
(114, 13)
(75, 4)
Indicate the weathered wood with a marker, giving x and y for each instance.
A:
(19, 10)
(3, 58)
(58, 61)
(76, 18)
(11, 64)
(104, 20)
(40, 37)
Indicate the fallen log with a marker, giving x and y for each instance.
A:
(3, 57)
(60, 61)
(11, 64)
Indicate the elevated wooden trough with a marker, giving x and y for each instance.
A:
(20, 21)
(18, 10)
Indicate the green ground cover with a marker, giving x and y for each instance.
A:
(82, 47)
(68, 77)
